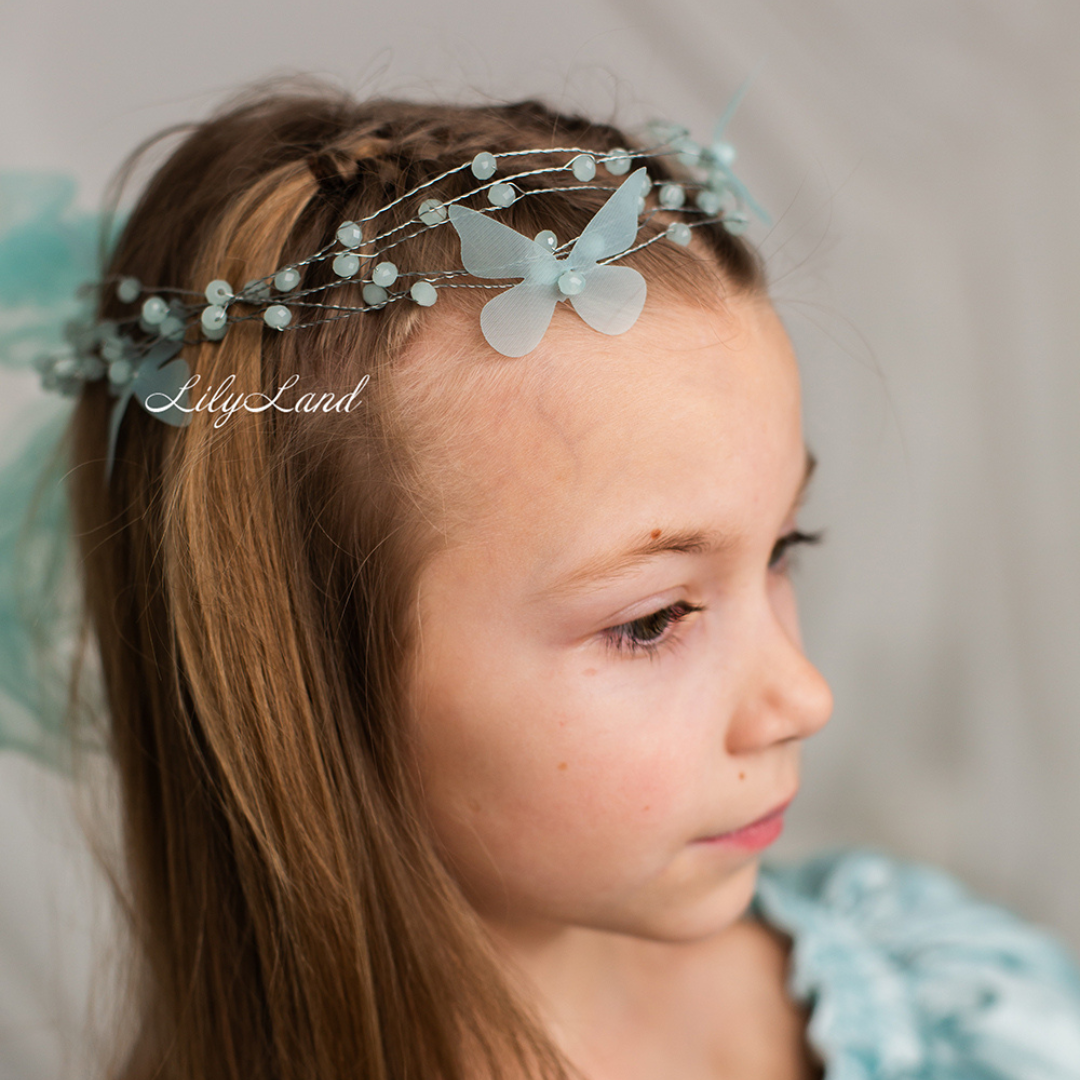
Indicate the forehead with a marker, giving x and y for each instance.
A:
(589, 432)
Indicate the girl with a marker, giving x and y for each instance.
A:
(449, 726)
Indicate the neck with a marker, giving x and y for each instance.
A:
(593, 988)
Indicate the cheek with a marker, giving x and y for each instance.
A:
(535, 791)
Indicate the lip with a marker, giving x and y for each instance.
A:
(755, 835)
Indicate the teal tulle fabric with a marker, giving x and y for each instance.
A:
(911, 978)
(48, 249)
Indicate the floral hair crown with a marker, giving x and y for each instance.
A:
(608, 298)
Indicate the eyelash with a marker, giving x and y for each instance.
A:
(779, 559)
(626, 637)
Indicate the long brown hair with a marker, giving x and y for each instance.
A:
(250, 587)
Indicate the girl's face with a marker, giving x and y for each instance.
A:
(609, 664)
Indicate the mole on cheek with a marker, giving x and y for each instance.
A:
(562, 764)
(655, 534)
(742, 776)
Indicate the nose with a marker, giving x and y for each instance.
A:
(784, 697)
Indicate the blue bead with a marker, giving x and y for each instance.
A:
(424, 293)
(257, 290)
(218, 292)
(172, 327)
(350, 235)
(385, 274)
(501, 195)
(646, 183)
(120, 372)
(66, 367)
(113, 350)
(709, 201)
(374, 295)
(736, 222)
(679, 231)
(618, 162)
(286, 280)
(93, 368)
(277, 316)
(583, 167)
(687, 151)
(547, 238)
(672, 196)
(345, 266)
(216, 335)
(213, 317)
(641, 204)
(432, 212)
(128, 290)
(571, 283)
(484, 165)
(154, 310)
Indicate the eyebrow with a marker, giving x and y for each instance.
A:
(612, 565)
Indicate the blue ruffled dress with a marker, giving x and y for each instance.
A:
(909, 977)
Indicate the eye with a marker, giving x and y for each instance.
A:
(646, 635)
(780, 560)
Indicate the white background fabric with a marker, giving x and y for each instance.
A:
(921, 162)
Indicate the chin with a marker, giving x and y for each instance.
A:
(703, 916)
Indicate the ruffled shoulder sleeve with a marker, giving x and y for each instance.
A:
(911, 978)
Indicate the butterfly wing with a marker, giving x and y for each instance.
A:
(612, 300)
(614, 226)
(515, 321)
(490, 249)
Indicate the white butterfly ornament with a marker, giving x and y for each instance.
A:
(608, 298)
